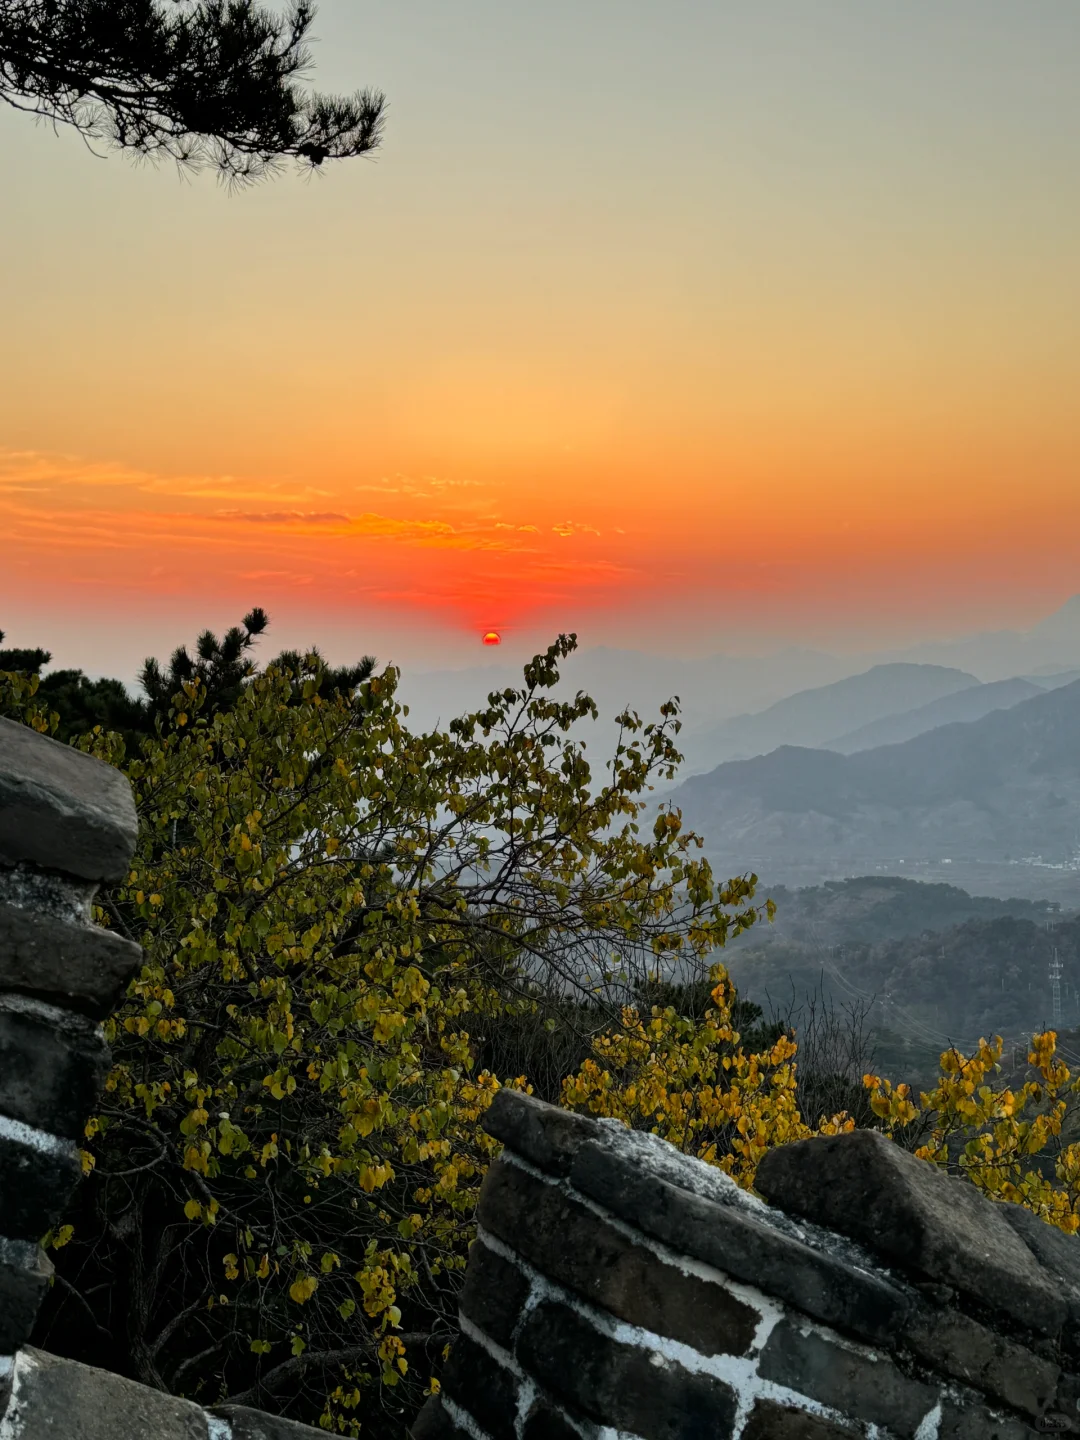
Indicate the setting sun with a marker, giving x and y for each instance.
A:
(492, 637)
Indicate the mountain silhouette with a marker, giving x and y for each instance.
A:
(1005, 787)
(814, 717)
(971, 703)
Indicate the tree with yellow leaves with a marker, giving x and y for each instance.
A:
(281, 1174)
(995, 1135)
(692, 1083)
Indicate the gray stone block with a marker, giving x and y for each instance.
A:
(61, 809)
(618, 1385)
(574, 1247)
(434, 1423)
(541, 1133)
(547, 1422)
(25, 1271)
(493, 1294)
(1067, 1398)
(480, 1385)
(47, 892)
(52, 1066)
(53, 1398)
(81, 966)
(1056, 1252)
(975, 1422)
(914, 1215)
(770, 1421)
(248, 1424)
(731, 1239)
(864, 1388)
(38, 1172)
(954, 1345)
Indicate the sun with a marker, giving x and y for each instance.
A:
(492, 637)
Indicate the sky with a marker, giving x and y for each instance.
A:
(691, 327)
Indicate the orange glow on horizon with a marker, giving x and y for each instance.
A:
(798, 364)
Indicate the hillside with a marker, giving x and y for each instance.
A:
(1005, 788)
(1053, 643)
(980, 978)
(971, 703)
(872, 908)
(813, 717)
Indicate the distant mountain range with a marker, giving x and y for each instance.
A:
(815, 717)
(1005, 787)
(970, 703)
(709, 687)
(725, 696)
(1052, 644)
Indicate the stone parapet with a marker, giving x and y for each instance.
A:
(67, 825)
(616, 1285)
(49, 1398)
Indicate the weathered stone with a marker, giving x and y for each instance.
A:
(906, 1209)
(541, 1133)
(574, 1247)
(729, 1238)
(619, 1385)
(547, 1422)
(959, 1347)
(248, 1424)
(650, 1154)
(38, 1171)
(863, 1386)
(81, 966)
(938, 1295)
(47, 892)
(770, 1421)
(975, 1422)
(52, 1066)
(1067, 1398)
(61, 809)
(1056, 1252)
(434, 1423)
(52, 1398)
(24, 1277)
(493, 1294)
(482, 1387)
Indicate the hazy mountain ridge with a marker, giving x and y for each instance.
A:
(997, 655)
(719, 689)
(1003, 787)
(813, 717)
(970, 703)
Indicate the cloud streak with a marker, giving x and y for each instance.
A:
(283, 517)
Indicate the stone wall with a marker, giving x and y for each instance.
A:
(617, 1287)
(67, 825)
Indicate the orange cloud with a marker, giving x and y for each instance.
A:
(570, 527)
(283, 517)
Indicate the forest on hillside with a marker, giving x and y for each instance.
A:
(885, 907)
(919, 993)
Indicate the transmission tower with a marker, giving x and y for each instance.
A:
(1055, 983)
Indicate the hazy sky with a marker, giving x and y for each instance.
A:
(680, 324)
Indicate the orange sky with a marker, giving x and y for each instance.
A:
(679, 326)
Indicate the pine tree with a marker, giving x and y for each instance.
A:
(203, 82)
(222, 667)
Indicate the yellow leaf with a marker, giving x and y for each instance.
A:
(302, 1288)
